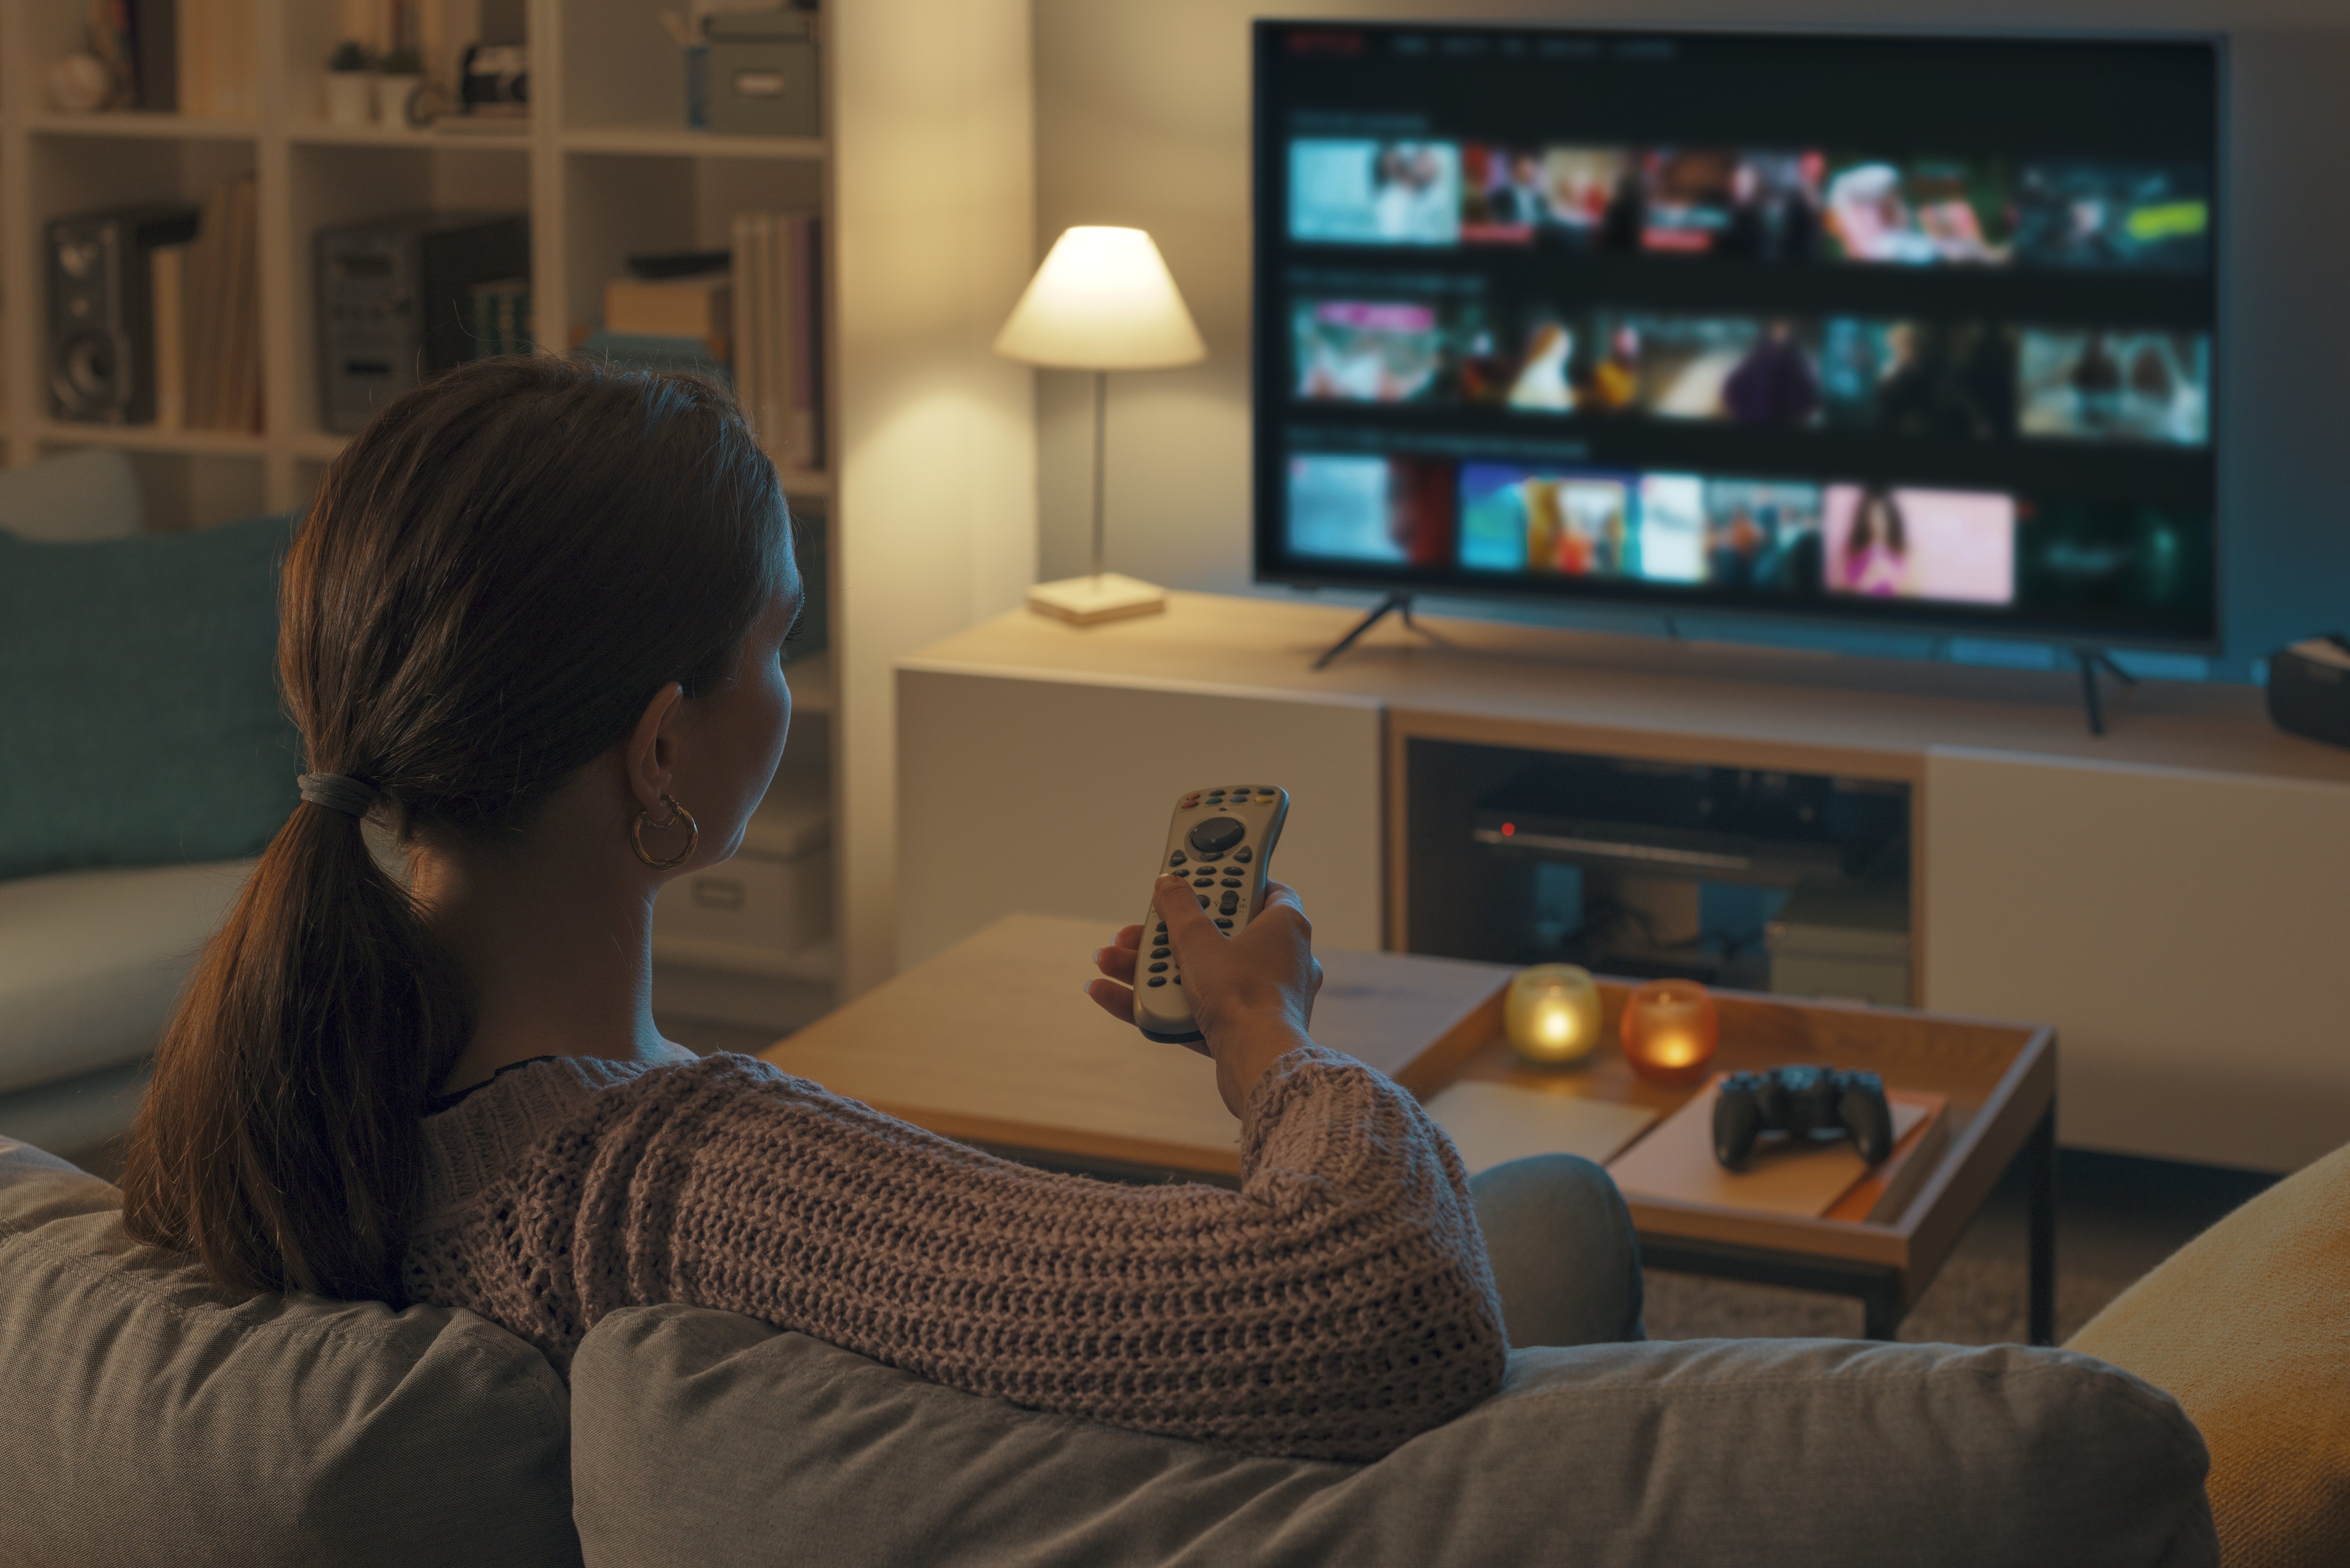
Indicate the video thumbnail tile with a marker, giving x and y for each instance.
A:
(1356, 190)
(1391, 511)
(1951, 545)
(1553, 194)
(1722, 201)
(2121, 556)
(2090, 384)
(1372, 352)
(1919, 378)
(1921, 211)
(1762, 536)
(1581, 523)
(1754, 370)
(2086, 214)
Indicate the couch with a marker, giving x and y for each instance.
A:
(92, 956)
(149, 1420)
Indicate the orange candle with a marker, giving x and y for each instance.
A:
(1669, 1030)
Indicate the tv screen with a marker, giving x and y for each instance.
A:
(1893, 330)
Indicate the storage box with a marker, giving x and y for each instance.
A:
(1841, 944)
(774, 897)
(762, 73)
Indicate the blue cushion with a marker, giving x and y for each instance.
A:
(138, 693)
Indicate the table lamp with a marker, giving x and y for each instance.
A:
(1103, 301)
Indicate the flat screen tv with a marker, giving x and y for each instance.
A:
(1895, 330)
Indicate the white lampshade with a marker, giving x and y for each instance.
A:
(1104, 300)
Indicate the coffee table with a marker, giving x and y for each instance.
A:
(992, 1042)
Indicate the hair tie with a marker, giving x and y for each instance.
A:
(338, 791)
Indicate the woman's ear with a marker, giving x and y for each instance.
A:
(650, 756)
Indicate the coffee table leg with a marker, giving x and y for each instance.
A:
(1881, 1306)
(2040, 1176)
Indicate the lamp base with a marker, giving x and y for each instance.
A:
(1088, 601)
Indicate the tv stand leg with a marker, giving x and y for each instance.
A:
(1392, 604)
(2092, 660)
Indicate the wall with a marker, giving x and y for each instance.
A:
(937, 473)
(1142, 117)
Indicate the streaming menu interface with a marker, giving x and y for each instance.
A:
(1914, 329)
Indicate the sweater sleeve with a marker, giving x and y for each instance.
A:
(1336, 1304)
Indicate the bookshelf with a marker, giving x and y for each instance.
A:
(606, 166)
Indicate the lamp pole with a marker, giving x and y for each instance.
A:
(1101, 446)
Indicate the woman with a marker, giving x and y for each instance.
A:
(533, 627)
(1875, 555)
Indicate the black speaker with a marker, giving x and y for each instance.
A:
(102, 310)
(395, 302)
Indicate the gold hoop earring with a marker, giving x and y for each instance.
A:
(676, 814)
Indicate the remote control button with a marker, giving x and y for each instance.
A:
(1158, 968)
(1217, 833)
(1232, 883)
(1224, 924)
(1159, 952)
(1177, 858)
(1179, 979)
(1243, 854)
(1230, 902)
(1266, 799)
(1206, 859)
(1203, 903)
(1158, 981)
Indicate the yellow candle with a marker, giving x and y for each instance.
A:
(1552, 1014)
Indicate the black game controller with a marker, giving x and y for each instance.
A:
(1801, 1102)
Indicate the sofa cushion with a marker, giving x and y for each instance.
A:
(90, 962)
(704, 1438)
(138, 693)
(87, 495)
(2249, 1324)
(149, 1420)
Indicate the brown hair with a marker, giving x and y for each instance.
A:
(499, 574)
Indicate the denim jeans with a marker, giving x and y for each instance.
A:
(1562, 1251)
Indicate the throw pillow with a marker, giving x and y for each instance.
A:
(150, 1419)
(2249, 1325)
(138, 693)
(87, 495)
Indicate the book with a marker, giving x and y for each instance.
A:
(155, 52)
(500, 324)
(221, 296)
(1676, 1163)
(701, 306)
(1492, 1124)
(169, 286)
(777, 289)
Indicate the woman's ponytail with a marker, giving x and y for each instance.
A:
(499, 573)
(280, 1140)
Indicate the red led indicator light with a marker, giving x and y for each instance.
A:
(1508, 828)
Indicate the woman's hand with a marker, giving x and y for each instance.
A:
(1252, 996)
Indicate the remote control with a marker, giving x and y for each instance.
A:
(1221, 841)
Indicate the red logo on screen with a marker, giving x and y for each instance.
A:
(1326, 42)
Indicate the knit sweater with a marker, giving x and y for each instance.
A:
(1338, 1303)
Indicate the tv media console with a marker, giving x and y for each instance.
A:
(2169, 896)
